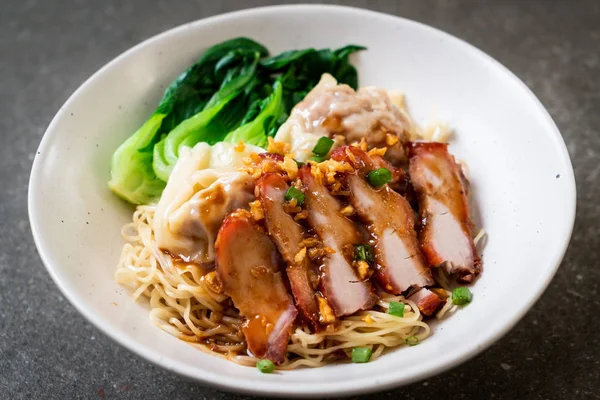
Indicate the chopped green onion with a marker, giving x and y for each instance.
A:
(361, 354)
(461, 296)
(379, 177)
(299, 163)
(396, 308)
(364, 252)
(318, 159)
(265, 366)
(294, 193)
(412, 340)
(323, 146)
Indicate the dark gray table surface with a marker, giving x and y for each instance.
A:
(49, 47)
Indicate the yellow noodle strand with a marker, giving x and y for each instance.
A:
(185, 306)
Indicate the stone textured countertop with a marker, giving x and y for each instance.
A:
(49, 47)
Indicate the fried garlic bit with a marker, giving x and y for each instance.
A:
(362, 267)
(257, 210)
(314, 253)
(325, 172)
(301, 255)
(252, 165)
(332, 167)
(310, 242)
(361, 145)
(391, 139)
(291, 208)
(278, 147)
(301, 215)
(316, 172)
(347, 211)
(256, 166)
(212, 282)
(377, 151)
(290, 167)
(327, 316)
(240, 147)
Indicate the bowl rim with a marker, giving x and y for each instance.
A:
(339, 388)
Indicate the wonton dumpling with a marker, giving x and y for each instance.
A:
(202, 189)
(347, 116)
(297, 130)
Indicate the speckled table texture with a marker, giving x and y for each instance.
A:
(49, 47)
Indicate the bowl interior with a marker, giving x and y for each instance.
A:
(522, 184)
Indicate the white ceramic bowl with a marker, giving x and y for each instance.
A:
(523, 185)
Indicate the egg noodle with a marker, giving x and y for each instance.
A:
(184, 303)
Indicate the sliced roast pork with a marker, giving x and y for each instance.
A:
(248, 267)
(343, 289)
(400, 181)
(365, 163)
(287, 235)
(429, 300)
(389, 219)
(446, 227)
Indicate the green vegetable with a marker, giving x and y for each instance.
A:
(294, 193)
(461, 296)
(201, 127)
(302, 70)
(265, 366)
(234, 92)
(318, 159)
(235, 57)
(361, 354)
(323, 146)
(396, 308)
(193, 89)
(343, 52)
(379, 177)
(364, 252)
(131, 175)
(282, 60)
(256, 131)
(412, 340)
(160, 165)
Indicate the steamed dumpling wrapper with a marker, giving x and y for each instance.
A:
(297, 130)
(347, 116)
(204, 187)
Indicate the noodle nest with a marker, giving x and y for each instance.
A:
(184, 302)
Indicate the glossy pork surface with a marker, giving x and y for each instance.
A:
(287, 234)
(390, 222)
(343, 289)
(446, 227)
(249, 269)
(429, 301)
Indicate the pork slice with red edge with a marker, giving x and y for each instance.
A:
(446, 227)
(287, 235)
(365, 163)
(389, 219)
(340, 284)
(429, 301)
(248, 267)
